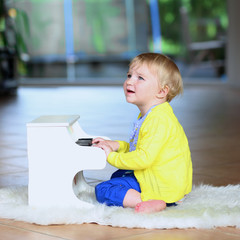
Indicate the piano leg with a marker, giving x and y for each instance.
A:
(80, 184)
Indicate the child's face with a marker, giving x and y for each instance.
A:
(141, 87)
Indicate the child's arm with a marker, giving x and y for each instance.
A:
(152, 138)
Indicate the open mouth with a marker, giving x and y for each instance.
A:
(130, 91)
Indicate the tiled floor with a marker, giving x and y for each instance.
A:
(209, 114)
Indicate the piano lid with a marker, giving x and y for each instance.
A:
(54, 121)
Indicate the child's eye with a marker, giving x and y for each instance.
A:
(140, 78)
(129, 75)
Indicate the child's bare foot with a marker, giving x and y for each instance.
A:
(150, 206)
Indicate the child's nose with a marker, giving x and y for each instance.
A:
(130, 80)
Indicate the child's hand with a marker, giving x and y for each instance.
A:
(97, 140)
(107, 145)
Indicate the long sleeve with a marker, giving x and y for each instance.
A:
(123, 147)
(151, 139)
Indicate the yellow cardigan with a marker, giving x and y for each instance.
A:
(162, 160)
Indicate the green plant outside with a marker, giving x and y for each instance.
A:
(169, 18)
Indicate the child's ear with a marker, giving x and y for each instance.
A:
(163, 92)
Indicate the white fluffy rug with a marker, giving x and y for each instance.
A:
(205, 207)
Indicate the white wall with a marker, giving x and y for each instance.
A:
(233, 43)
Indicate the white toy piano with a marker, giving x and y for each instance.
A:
(55, 157)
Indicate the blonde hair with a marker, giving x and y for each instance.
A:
(165, 69)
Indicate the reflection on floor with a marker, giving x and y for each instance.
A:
(208, 113)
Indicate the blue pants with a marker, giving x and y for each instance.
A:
(113, 191)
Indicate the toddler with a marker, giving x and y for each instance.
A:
(155, 166)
